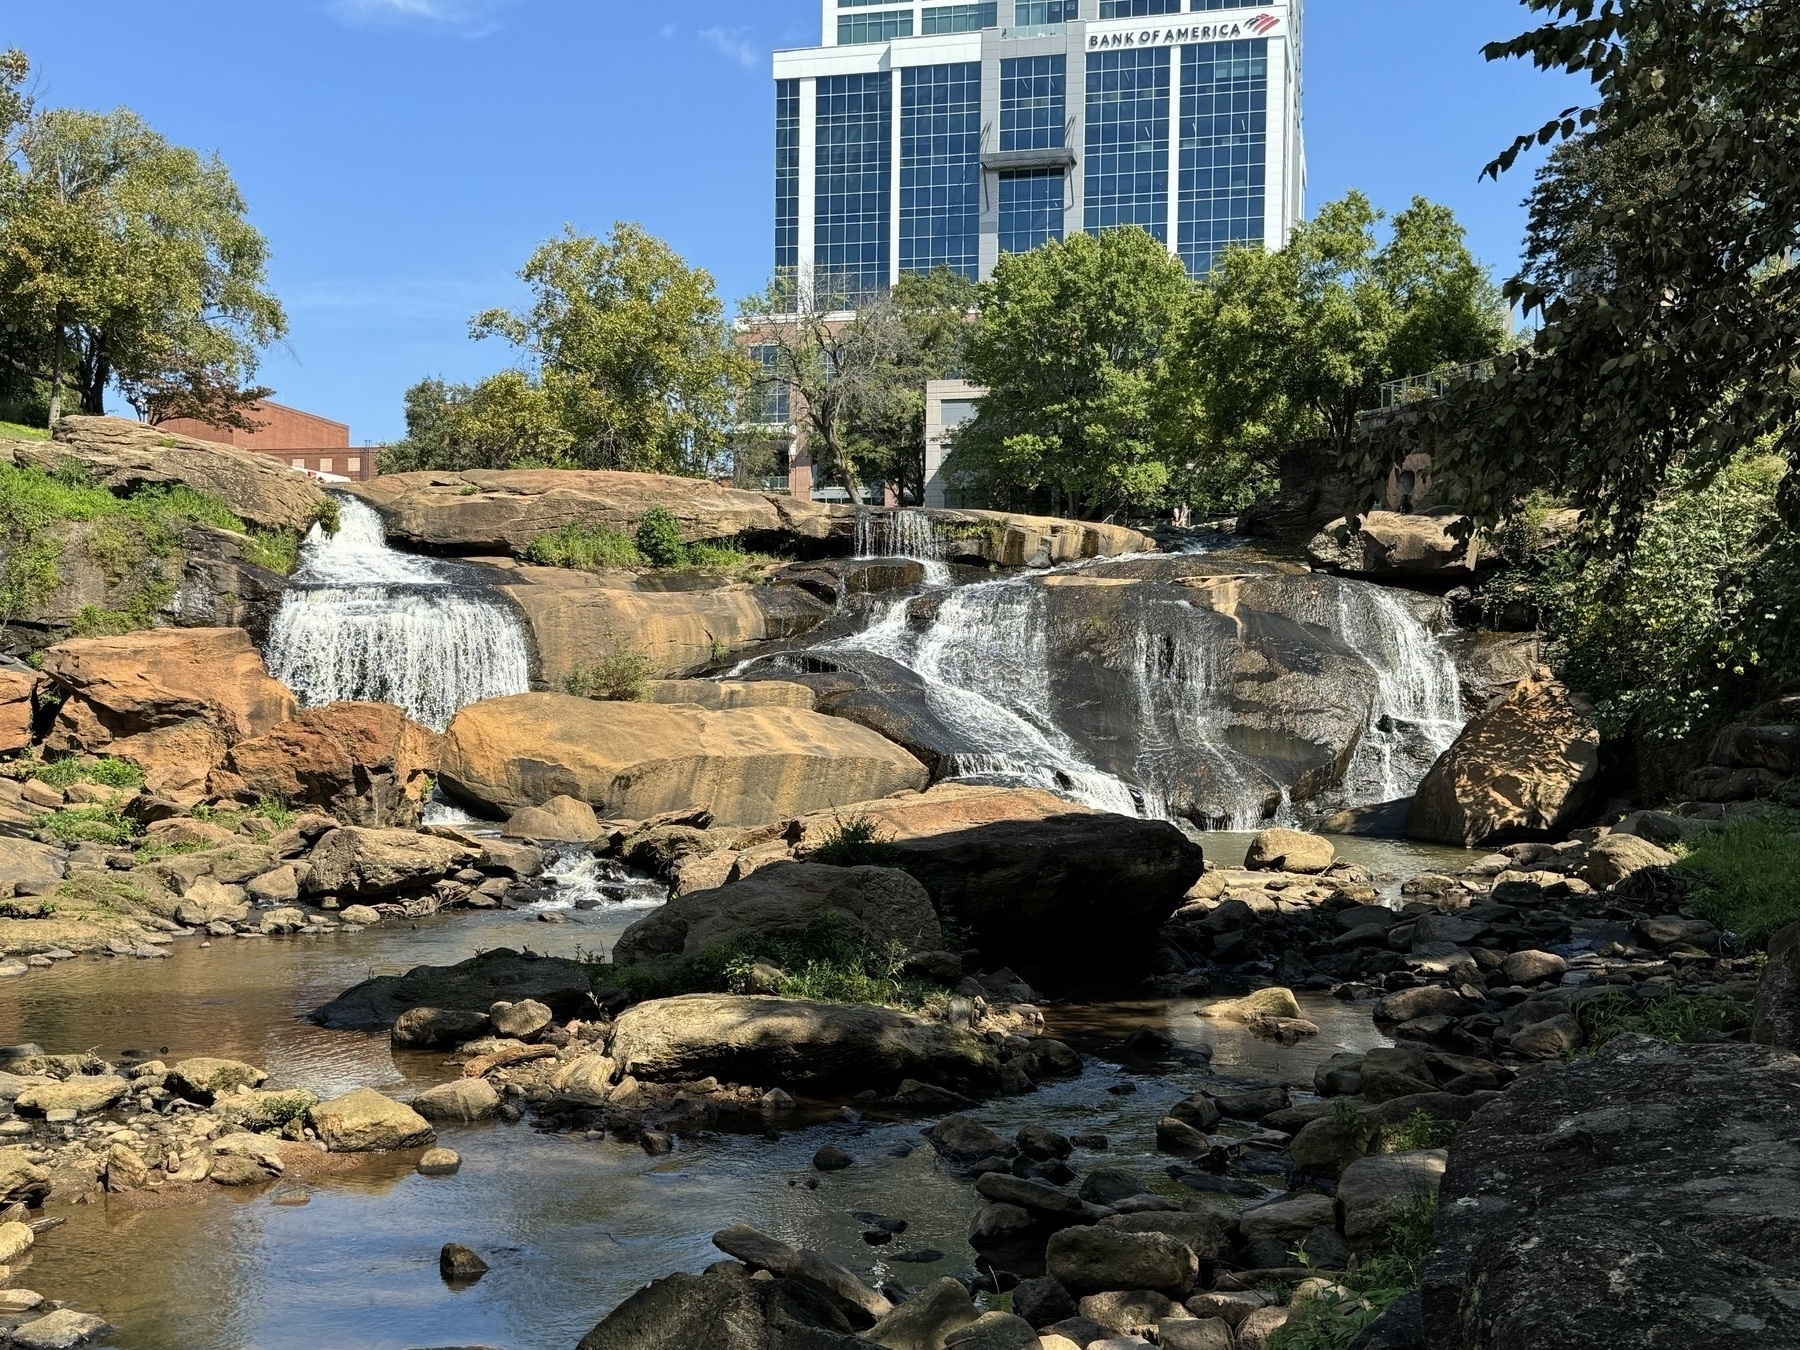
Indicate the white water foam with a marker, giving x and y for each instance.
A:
(902, 534)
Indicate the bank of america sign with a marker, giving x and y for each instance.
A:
(1263, 25)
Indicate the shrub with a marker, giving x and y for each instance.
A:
(1747, 870)
(1419, 1130)
(659, 539)
(617, 677)
(856, 842)
(88, 825)
(585, 548)
(1393, 1268)
(1674, 1017)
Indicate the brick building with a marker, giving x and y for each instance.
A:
(302, 439)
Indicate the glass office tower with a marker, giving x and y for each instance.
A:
(921, 135)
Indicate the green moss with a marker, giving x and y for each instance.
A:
(1749, 874)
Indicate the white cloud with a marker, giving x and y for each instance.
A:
(731, 42)
(467, 18)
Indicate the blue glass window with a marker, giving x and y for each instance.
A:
(770, 406)
(862, 4)
(1031, 13)
(882, 27)
(940, 168)
(1132, 9)
(961, 18)
(1224, 149)
(1128, 140)
(787, 175)
(1193, 5)
(853, 178)
(1034, 110)
(1031, 209)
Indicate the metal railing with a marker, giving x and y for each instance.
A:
(1433, 384)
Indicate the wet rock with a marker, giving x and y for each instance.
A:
(1373, 1188)
(458, 1265)
(925, 1319)
(437, 1028)
(761, 1252)
(470, 985)
(1252, 1105)
(1095, 1260)
(560, 820)
(465, 1101)
(1109, 1185)
(722, 1308)
(1525, 767)
(15, 1240)
(439, 1162)
(1048, 1205)
(203, 1079)
(1198, 1110)
(829, 1159)
(1627, 1199)
(996, 1224)
(771, 1041)
(20, 1300)
(1289, 851)
(369, 863)
(1181, 1139)
(61, 1330)
(1258, 1006)
(237, 1169)
(1324, 1147)
(521, 1020)
(1035, 1141)
(364, 1121)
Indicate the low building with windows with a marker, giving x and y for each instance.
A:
(302, 440)
(922, 134)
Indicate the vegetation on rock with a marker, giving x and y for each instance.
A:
(1747, 871)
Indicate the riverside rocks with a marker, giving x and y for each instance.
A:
(1645, 1195)
(365, 763)
(474, 985)
(774, 1042)
(364, 1121)
(1523, 769)
(879, 904)
(1387, 545)
(748, 766)
(362, 863)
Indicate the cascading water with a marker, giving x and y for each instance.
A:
(902, 534)
(364, 622)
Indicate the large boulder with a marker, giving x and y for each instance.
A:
(783, 901)
(364, 1121)
(1387, 545)
(174, 701)
(365, 863)
(1777, 1020)
(30, 868)
(1289, 851)
(576, 617)
(1095, 1260)
(471, 986)
(365, 763)
(18, 708)
(1615, 857)
(1525, 768)
(124, 455)
(1009, 540)
(1373, 1190)
(1025, 869)
(726, 1309)
(1647, 1196)
(748, 766)
(775, 1042)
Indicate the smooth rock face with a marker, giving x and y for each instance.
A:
(30, 868)
(720, 694)
(522, 1020)
(364, 1121)
(783, 901)
(203, 1079)
(1373, 1188)
(464, 1102)
(775, 1042)
(1649, 1195)
(1095, 1260)
(925, 1319)
(1524, 768)
(18, 708)
(721, 1310)
(748, 766)
(174, 701)
(360, 862)
(1289, 851)
(61, 1330)
(364, 763)
(437, 1028)
(122, 454)
(1617, 856)
(559, 820)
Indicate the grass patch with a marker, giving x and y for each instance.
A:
(857, 842)
(1418, 1131)
(88, 825)
(1749, 874)
(1675, 1018)
(585, 548)
(63, 774)
(19, 431)
(657, 546)
(278, 814)
(276, 551)
(831, 962)
(1391, 1269)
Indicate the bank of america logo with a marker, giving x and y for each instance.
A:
(1262, 23)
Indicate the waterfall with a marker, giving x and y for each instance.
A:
(364, 622)
(902, 534)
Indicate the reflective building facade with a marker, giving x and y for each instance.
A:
(933, 134)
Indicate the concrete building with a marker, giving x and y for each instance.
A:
(302, 439)
(920, 135)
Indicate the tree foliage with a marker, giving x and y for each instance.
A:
(125, 257)
(1680, 354)
(1071, 345)
(1294, 344)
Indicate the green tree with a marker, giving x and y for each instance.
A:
(630, 354)
(1294, 344)
(1071, 345)
(125, 257)
(508, 421)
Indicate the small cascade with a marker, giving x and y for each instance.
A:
(1419, 711)
(364, 622)
(902, 534)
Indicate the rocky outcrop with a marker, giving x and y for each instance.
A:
(18, 708)
(879, 904)
(1008, 540)
(364, 1121)
(1649, 1195)
(1751, 760)
(577, 618)
(776, 1042)
(363, 863)
(747, 766)
(720, 694)
(472, 986)
(1389, 546)
(123, 455)
(508, 509)
(172, 701)
(1524, 769)
(1777, 1017)
(365, 763)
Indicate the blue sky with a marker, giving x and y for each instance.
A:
(403, 156)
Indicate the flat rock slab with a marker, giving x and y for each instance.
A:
(1648, 1196)
(474, 985)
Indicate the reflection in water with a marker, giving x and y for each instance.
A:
(1392, 861)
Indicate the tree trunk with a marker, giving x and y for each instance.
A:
(56, 362)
